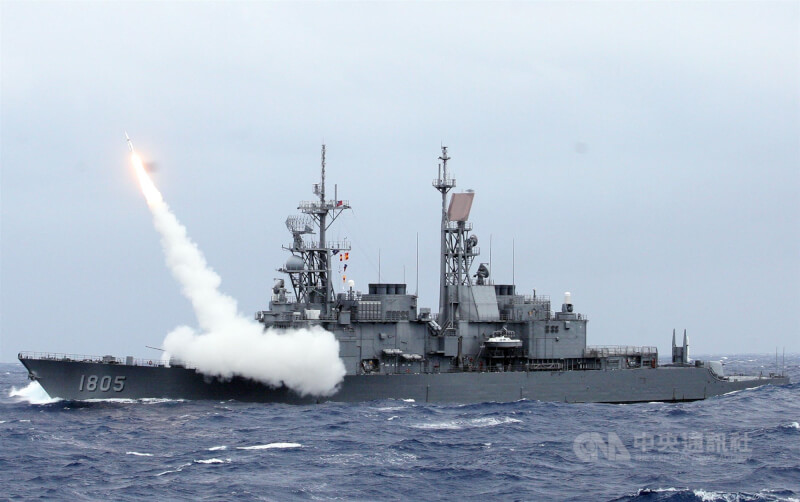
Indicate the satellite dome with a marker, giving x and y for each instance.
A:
(294, 264)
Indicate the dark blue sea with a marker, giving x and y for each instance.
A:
(742, 446)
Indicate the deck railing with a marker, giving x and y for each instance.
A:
(619, 350)
(84, 358)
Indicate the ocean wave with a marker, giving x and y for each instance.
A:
(116, 400)
(213, 461)
(394, 458)
(499, 451)
(270, 446)
(391, 408)
(178, 469)
(703, 495)
(33, 393)
(125, 400)
(466, 423)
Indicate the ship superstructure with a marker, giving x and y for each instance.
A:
(393, 335)
(487, 342)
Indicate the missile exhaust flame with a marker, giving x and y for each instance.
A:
(151, 193)
(305, 360)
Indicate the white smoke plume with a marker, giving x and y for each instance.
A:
(228, 344)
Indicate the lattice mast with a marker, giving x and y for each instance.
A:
(458, 247)
(311, 279)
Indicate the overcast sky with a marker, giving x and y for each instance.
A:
(643, 156)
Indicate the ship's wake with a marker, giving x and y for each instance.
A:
(228, 343)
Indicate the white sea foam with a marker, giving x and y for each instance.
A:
(33, 393)
(408, 400)
(794, 425)
(213, 461)
(178, 469)
(127, 400)
(444, 426)
(391, 418)
(467, 423)
(394, 458)
(376, 457)
(642, 491)
(118, 400)
(217, 448)
(270, 446)
(711, 496)
(136, 453)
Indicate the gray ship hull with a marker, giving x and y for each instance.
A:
(76, 380)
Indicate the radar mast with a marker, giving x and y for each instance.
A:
(311, 274)
(443, 184)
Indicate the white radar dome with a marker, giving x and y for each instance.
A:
(294, 263)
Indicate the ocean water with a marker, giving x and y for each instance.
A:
(741, 446)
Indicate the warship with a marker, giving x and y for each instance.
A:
(487, 342)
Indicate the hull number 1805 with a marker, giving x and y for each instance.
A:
(91, 383)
